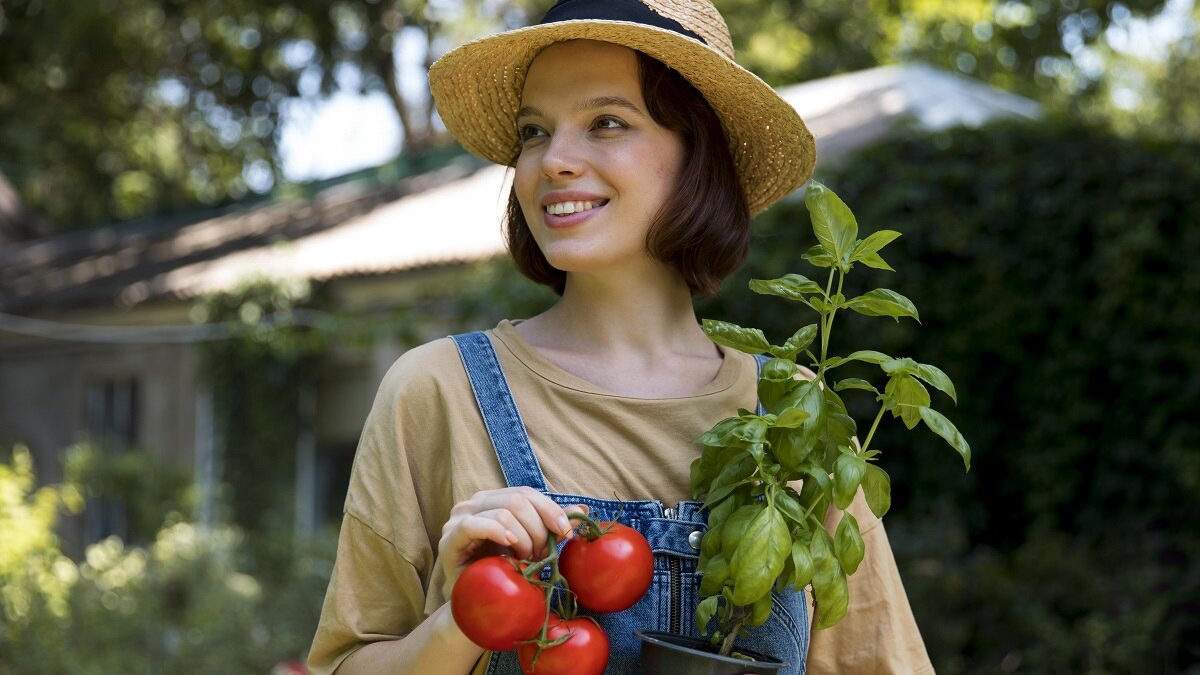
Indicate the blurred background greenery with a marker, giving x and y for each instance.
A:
(1052, 261)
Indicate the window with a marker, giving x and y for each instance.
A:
(110, 415)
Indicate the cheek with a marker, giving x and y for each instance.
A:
(525, 181)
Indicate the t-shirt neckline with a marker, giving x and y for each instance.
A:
(543, 367)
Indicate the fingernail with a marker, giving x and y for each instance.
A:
(564, 525)
(510, 537)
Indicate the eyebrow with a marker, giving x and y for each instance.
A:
(589, 104)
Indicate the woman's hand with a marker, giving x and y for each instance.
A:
(518, 519)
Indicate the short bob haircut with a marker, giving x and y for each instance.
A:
(703, 230)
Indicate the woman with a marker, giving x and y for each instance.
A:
(640, 151)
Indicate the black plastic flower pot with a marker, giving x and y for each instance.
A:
(670, 654)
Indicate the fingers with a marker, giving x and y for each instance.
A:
(518, 518)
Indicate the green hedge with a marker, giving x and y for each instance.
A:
(1056, 271)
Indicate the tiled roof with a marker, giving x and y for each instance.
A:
(126, 264)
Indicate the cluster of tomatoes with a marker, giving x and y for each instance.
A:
(502, 604)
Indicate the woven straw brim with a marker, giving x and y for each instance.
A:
(477, 89)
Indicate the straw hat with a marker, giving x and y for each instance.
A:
(477, 86)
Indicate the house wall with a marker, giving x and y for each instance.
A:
(43, 387)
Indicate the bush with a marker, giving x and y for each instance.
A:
(184, 604)
(1054, 268)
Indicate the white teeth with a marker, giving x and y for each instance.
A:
(567, 208)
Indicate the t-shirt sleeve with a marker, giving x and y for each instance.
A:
(377, 590)
(879, 634)
(374, 594)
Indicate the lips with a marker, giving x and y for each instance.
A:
(573, 213)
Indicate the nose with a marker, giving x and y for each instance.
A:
(564, 156)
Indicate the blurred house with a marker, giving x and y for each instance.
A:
(95, 334)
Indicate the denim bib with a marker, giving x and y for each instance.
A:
(673, 532)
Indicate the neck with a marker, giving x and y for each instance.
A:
(648, 313)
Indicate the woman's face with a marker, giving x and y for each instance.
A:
(594, 166)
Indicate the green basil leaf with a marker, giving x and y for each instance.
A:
(722, 433)
(829, 583)
(883, 302)
(770, 393)
(732, 475)
(934, 376)
(820, 305)
(699, 476)
(752, 431)
(818, 256)
(848, 543)
(749, 340)
(800, 340)
(778, 370)
(791, 418)
(869, 356)
(820, 482)
(758, 559)
(839, 427)
(864, 355)
(909, 396)
(716, 574)
(788, 503)
(791, 286)
(735, 528)
(873, 260)
(760, 611)
(789, 446)
(900, 366)
(873, 244)
(808, 397)
(710, 544)
(877, 488)
(705, 611)
(848, 473)
(833, 222)
(855, 383)
(942, 427)
(802, 563)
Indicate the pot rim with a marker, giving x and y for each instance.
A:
(652, 636)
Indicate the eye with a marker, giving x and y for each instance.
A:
(527, 131)
(603, 123)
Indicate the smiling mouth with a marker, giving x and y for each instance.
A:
(568, 208)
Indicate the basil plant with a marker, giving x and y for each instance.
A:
(764, 534)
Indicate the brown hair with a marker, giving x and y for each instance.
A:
(703, 229)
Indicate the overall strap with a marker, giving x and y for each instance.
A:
(500, 415)
(761, 359)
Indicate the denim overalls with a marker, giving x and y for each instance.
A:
(673, 533)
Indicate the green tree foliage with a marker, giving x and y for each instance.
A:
(114, 110)
(1054, 267)
(1005, 43)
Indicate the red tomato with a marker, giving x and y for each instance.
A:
(495, 606)
(584, 653)
(611, 572)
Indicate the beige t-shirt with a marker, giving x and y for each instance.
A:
(424, 448)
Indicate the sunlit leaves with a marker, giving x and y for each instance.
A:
(833, 222)
(942, 427)
(883, 302)
(877, 489)
(749, 340)
(848, 543)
